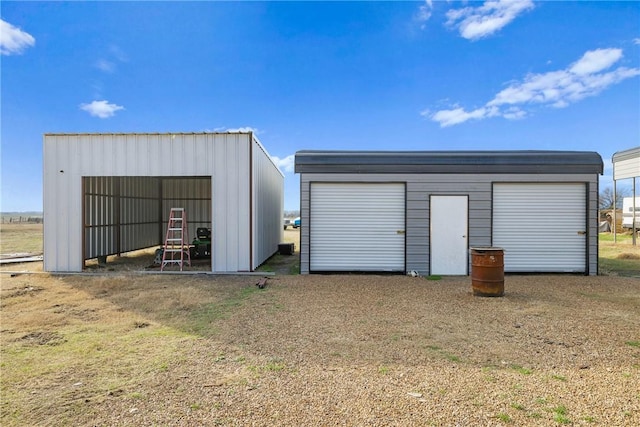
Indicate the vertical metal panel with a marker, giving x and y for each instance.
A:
(357, 227)
(191, 194)
(542, 227)
(268, 205)
(231, 213)
(120, 214)
(138, 213)
(62, 204)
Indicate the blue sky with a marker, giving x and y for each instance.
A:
(513, 75)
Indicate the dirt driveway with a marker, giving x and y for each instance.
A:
(320, 350)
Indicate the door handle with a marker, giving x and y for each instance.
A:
(582, 233)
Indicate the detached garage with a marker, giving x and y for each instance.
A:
(107, 194)
(422, 211)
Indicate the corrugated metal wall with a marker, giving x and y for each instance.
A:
(231, 233)
(268, 205)
(627, 168)
(192, 194)
(139, 212)
(224, 158)
(121, 214)
(421, 186)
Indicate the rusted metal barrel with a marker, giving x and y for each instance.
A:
(487, 271)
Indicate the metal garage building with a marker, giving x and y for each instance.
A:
(107, 194)
(422, 211)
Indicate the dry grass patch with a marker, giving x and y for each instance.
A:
(20, 238)
(315, 350)
(619, 258)
(63, 350)
(627, 255)
(127, 349)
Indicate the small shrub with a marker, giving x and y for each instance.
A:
(560, 415)
(452, 357)
(384, 370)
(505, 418)
(274, 366)
(521, 369)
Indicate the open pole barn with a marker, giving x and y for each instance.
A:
(423, 211)
(626, 165)
(106, 194)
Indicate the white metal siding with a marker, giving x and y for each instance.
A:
(357, 227)
(268, 204)
(224, 157)
(628, 168)
(542, 227)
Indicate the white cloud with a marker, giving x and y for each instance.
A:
(636, 40)
(105, 65)
(477, 22)
(457, 116)
(424, 13)
(596, 60)
(13, 40)
(286, 164)
(236, 130)
(586, 77)
(101, 109)
(118, 53)
(109, 62)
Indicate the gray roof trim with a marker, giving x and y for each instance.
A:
(632, 153)
(567, 162)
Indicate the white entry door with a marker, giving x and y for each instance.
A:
(449, 242)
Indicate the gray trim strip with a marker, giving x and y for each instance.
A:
(519, 162)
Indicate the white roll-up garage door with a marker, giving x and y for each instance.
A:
(357, 227)
(542, 227)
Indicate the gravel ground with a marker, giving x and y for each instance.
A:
(360, 350)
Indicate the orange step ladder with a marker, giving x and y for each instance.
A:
(176, 243)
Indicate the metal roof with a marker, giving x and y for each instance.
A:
(561, 162)
(631, 153)
(626, 164)
(142, 133)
